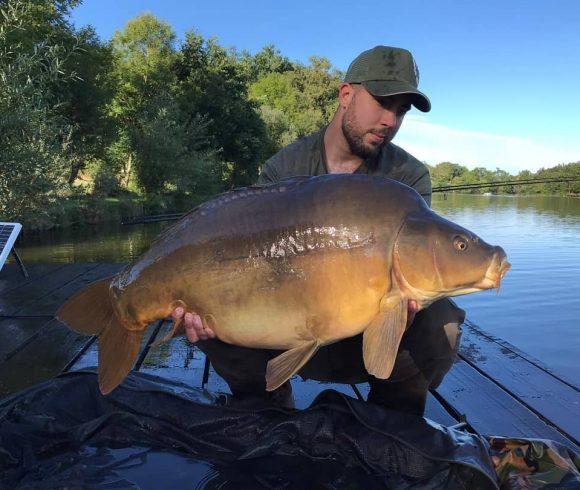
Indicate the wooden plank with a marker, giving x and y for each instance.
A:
(490, 410)
(17, 299)
(11, 273)
(511, 350)
(178, 360)
(16, 332)
(215, 383)
(49, 304)
(545, 394)
(14, 278)
(50, 351)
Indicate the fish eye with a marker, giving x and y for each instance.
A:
(460, 243)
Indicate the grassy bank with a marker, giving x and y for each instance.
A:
(90, 210)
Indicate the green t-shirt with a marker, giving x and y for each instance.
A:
(306, 156)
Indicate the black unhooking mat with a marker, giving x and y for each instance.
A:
(154, 433)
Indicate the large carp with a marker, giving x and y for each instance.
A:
(294, 265)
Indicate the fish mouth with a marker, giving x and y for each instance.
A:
(496, 271)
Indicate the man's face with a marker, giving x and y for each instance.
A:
(370, 122)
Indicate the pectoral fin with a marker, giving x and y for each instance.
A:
(283, 367)
(382, 337)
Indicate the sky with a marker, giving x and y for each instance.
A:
(503, 76)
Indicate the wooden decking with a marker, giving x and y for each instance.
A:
(497, 388)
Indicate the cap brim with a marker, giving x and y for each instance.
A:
(386, 88)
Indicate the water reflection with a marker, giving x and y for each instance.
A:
(105, 243)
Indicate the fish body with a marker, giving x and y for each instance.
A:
(293, 266)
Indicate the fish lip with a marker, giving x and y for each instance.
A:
(495, 272)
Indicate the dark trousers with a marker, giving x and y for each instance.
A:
(426, 353)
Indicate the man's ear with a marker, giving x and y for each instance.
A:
(346, 92)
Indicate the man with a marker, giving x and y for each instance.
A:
(379, 88)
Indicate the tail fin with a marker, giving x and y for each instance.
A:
(88, 311)
(118, 349)
(91, 312)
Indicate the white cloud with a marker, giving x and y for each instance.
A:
(435, 143)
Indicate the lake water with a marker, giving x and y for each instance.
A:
(537, 309)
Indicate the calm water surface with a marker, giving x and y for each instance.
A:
(537, 309)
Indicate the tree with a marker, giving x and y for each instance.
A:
(212, 84)
(142, 78)
(446, 173)
(34, 137)
(267, 60)
(81, 97)
(85, 100)
(296, 102)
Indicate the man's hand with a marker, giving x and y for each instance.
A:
(194, 329)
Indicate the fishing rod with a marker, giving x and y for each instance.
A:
(503, 183)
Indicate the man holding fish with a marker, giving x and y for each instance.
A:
(316, 274)
(379, 88)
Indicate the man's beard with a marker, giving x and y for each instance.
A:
(355, 138)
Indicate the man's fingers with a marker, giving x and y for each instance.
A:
(177, 313)
(193, 325)
(198, 325)
(190, 331)
(207, 329)
(194, 328)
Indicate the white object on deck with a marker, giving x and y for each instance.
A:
(8, 234)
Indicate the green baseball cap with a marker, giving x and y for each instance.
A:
(385, 71)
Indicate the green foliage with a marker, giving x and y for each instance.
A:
(44, 23)
(212, 83)
(557, 188)
(159, 146)
(34, 137)
(85, 99)
(268, 60)
(143, 54)
(296, 102)
(447, 173)
(147, 120)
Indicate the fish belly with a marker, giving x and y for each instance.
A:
(279, 304)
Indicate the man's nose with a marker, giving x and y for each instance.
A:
(388, 118)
